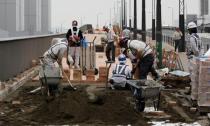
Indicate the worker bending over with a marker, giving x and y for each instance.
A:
(55, 54)
(142, 54)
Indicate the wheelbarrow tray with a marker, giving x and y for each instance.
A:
(145, 89)
(50, 75)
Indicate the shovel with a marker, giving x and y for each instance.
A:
(74, 88)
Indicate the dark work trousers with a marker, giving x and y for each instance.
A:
(110, 47)
(154, 73)
(146, 66)
(176, 44)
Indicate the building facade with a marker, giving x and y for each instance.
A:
(205, 11)
(25, 17)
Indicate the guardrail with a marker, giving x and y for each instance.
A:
(17, 53)
(169, 39)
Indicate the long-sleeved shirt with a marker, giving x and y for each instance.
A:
(75, 31)
(138, 46)
(56, 52)
(177, 35)
(120, 74)
(194, 46)
(110, 36)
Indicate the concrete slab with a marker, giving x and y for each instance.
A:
(184, 61)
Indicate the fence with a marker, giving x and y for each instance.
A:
(167, 38)
(17, 53)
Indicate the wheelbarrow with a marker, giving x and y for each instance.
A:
(50, 77)
(143, 90)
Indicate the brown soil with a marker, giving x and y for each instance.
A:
(176, 82)
(71, 107)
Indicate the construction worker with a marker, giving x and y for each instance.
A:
(126, 33)
(142, 54)
(75, 43)
(177, 37)
(194, 46)
(55, 54)
(110, 43)
(120, 73)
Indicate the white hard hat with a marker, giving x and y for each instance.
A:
(122, 58)
(191, 25)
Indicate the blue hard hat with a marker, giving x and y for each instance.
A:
(122, 58)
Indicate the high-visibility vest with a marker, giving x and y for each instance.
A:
(51, 53)
(119, 71)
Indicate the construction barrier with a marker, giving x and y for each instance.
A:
(169, 59)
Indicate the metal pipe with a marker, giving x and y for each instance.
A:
(159, 33)
(135, 19)
(143, 21)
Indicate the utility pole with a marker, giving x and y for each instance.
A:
(135, 19)
(153, 19)
(159, 34)
(122, 14)
(130, 14)
(181, 25)
(143, 22)
(110, 16)
(118, 13)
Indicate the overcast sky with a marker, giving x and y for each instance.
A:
(86, 11)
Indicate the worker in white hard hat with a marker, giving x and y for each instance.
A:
(57, 51)
(121, 72)
(143, 55)
(74, 36)
(194, 46)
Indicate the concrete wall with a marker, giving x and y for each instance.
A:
(17, 53)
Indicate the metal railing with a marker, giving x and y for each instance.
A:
(17, 53)
(205, 38)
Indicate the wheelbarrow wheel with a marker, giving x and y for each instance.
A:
(84, 70)
(96, 71)
(140, 105)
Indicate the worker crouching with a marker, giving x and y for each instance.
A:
(120, 74)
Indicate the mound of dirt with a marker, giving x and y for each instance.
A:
(73, 107)
(176, 82)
